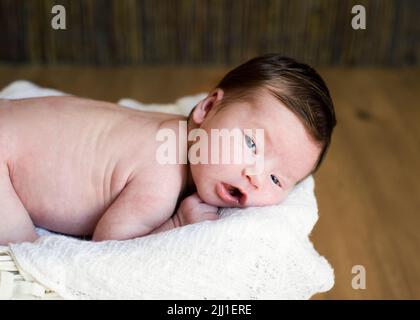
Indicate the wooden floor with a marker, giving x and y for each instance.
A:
(369, 188)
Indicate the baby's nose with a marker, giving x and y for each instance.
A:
(254, 179)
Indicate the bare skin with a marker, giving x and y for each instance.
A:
(85, 167)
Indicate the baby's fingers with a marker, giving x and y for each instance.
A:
(204, 207)
(193, 199)
(210, 216)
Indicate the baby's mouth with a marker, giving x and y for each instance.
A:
(230, 194)
(234, 192)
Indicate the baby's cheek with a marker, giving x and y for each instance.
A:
(282, 196)
(275, 197)
(207, 195)
(202, 176)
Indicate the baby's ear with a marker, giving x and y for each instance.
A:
(203, 108)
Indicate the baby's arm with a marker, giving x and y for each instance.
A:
(191, 210)
(138, 210)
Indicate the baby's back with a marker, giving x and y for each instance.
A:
(69, 158)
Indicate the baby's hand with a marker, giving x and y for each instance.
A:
(192, 210)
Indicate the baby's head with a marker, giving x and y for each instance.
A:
(291, 103)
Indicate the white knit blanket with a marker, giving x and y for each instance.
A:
(253, 253)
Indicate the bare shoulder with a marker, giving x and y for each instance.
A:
(157, 181)
(161, 178)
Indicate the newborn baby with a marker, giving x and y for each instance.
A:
(89, 168)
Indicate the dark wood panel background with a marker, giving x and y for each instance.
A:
(107, 32)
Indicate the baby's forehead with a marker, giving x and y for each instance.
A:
(285, 133)
(262, 110)
(270, 113)
(263, 105)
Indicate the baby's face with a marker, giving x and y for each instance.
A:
(289, 152)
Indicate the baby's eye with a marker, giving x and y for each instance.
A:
(251, 144)
(275, 180)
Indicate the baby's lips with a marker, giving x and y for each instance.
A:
(223, 193)
(222, 190)
(243, 199)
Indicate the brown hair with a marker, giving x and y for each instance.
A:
(296, 85)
